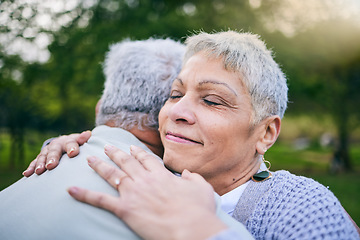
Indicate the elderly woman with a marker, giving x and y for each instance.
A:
(224, 112)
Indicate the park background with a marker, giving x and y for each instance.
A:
(51, 54)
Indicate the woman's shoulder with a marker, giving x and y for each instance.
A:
(286, 193)
(299, 188)
(285, 179)
(296, 206)
(284, 183)
(281, 175)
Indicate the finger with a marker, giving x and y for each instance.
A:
(70, 145)
(186, 174)
(83, 137)
(96, 199)
(196, 179)
(73, 142)
(41, 160)
(148, 160)
(31, 169)
(127, 163)
(55, 151)
(113, 175)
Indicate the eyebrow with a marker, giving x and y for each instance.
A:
(212, 82)
(216, 82)
(181, 82)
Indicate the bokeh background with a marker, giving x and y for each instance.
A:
(51, 54)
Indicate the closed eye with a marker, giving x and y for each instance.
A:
(174, 97)
(213, 100)
(211, 103)
(175, 94)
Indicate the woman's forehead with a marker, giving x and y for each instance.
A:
(201, 69)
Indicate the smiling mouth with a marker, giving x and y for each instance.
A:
(180, 139)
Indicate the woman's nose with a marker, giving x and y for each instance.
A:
(181, 111)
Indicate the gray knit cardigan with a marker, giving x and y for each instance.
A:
(292, 207)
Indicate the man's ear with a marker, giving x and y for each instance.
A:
(97, 108)
(270, 132)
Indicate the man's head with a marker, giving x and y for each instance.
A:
(138, 75)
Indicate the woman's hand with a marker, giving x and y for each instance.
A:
(50, 155)
(155, 203)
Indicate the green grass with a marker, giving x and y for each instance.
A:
(311, 162)
(10, 173)
(8, 177)
(346, 188)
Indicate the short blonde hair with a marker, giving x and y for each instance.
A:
(247, 55)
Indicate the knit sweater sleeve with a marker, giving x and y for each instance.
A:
(293, 207)
(228, 234)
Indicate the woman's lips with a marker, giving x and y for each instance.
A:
(179, 138)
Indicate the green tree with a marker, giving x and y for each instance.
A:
(15, 108)
(324, 69)
(63, 79)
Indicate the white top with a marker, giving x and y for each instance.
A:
(230, 199)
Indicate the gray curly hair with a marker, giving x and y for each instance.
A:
(138, 78)
(247, 55)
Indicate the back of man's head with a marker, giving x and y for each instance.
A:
(138, 76)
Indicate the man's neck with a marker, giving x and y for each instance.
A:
(151, 138)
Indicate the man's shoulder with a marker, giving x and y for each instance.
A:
(117, 137)
(39, 207)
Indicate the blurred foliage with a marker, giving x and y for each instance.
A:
(51, 54)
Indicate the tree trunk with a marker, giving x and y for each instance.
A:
(341, 159)
(343, 147)
(17, 150)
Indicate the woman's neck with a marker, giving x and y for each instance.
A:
(229, 182)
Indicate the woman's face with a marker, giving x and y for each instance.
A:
(205, 125)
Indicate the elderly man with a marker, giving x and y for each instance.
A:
(138, 79)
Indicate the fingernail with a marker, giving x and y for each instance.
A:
(185, 173)
(50, 162)
(38, 167)
(109, 148)
(91, 160)
(73, 190)
(117, 182)
(24, 172)
(134, 148)
(71, 150)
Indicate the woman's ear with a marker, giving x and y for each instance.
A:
(269, 135)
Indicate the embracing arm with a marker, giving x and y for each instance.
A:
(155, 203)
(50, 154)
